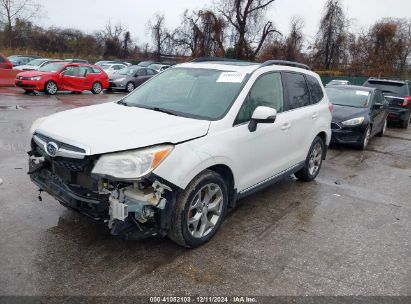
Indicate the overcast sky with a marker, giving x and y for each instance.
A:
(91, 15)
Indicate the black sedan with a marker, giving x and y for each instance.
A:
(359, 113)
(130, 78)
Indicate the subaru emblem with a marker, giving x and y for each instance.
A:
(52, 148)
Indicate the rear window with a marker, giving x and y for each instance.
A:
(396, 88)
(316, 90)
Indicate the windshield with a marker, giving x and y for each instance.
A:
(36, 62)
(105, 66)
(348, 97)
(198, 93)
(128, 71)
(51, 67)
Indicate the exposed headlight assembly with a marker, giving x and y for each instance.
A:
(131, 165)
(353, 122)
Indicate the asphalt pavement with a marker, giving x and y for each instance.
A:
(347, 233)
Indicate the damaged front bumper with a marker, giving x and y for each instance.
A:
(131, 210)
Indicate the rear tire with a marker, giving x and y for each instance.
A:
(50, 88)
(405, 123)
(200, 210)
(313, 161)
(97, 88)
(130, 87)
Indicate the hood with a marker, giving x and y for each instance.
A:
(112, 127)
(118, 76)
(26, 67)
(343, 113)
(33, 73)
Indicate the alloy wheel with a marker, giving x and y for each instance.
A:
(51, 88)
(315, 159)
(97, 88)
(367, 138)
(130, 87)
(205, 210)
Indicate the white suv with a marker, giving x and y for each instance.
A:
(174, 155)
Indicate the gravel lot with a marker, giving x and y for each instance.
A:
(348, 233)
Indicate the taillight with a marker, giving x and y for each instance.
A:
(330, 107)
(407, 101)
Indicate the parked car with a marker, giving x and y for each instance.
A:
(5, 63)
(99, 63)
(158, 67)
(35, 64)
(147, 63)
(112, 68)
(21, 59)
(172, 156)
(64, 76)
(359, 114)
(398, 94)
(338, 82)
(130, 78)
(75, 60)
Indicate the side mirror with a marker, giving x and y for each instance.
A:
(262, 115)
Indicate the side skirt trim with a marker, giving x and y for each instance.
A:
(271, 180)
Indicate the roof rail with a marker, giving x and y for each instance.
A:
(286, 63)
(208, 59)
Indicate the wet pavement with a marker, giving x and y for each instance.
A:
(348, 233)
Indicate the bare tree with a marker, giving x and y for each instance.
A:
(250, 31)
(161, 36)
(12, 10)
(202, 33)
(331, 35)
(294, 41)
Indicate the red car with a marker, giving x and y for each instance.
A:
(5, 63)
(64, 76)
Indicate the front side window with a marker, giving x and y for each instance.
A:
(191, 92)
(267, 91)
(298, 95)
(316, 90)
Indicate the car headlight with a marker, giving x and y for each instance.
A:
(353, 122)
(36, 78)
(131, 165)
(119, 80)
(36, 124)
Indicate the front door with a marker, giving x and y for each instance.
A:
(266, 152)
(73, 79)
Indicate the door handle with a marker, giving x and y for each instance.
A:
(315, 116)
(286, 126)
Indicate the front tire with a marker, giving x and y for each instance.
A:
(313, 161)
(97, 88)
(200, 210)
(50, 88)
(366, 139)
(383, 130)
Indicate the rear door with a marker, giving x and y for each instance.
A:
(302, 115)
(140, 77)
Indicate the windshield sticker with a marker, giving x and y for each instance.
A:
(363, 93)
(231, 77)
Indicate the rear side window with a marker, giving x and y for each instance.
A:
(267, 91)
(394, 88)
(95, 70)
(297, 92)
(316, 91)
